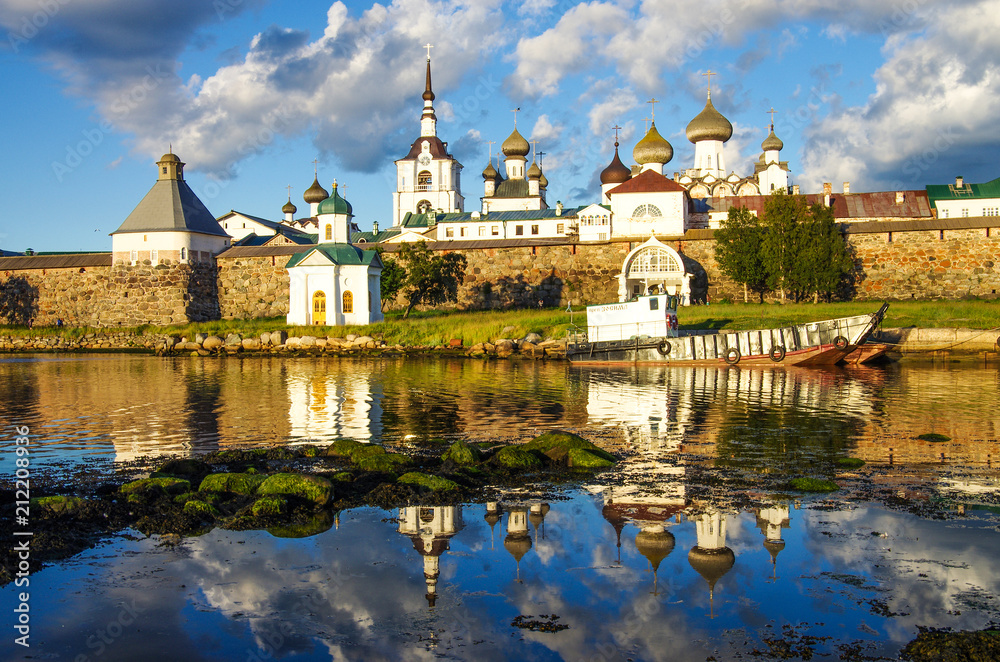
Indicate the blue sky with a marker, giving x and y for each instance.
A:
(250, 92)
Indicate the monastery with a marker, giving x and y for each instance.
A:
(172, 261)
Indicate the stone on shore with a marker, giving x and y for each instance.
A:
(311, 488)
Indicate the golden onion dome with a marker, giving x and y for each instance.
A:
(534, 172)
(315, 193)
(709, 124)
(617, 172)
(772, 142)
(515, 145)
(653, 148)
(490, 172)
(289, 208)
(655, 546)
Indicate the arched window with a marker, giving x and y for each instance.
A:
(184, 253)
(646, 212)
(424, 181)
(423, 206)
(348, 306)
(319, 307)
(651, 261)
(328, 236)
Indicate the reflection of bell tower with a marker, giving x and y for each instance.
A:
(536, 516)
(771, 521)
(710, 557)
(430, 529)
(617, 520)
(492, 516)
(655, 543)
(517, 542)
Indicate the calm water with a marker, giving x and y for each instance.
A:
(638, 567)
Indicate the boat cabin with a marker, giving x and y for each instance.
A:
(653, 316)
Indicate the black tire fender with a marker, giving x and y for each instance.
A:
(840, 342)
(664, 348)
(732, 356)
(777, 353)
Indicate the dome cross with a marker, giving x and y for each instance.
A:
(429, 47)
(709, 74)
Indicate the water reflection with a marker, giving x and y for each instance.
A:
(119, 407)
(437, 580)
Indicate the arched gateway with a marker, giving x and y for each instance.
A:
(654, 268)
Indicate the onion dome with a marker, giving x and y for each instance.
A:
(534, 172)
(772, 142)
(289, 208)
(773, 547)
(709, 124)
(653, 148)
(617, 172)
(515, 145)
(335, 204)
(490, 172)
(315, 193)
(655, 546)
(543, 180)
(517, 545)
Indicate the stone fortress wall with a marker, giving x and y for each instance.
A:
(945, 263)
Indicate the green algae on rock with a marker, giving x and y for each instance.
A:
(981, 646)
(813, 485)
(316, 524)
(57, 504)
(582, 460)
(433, 483)
(558, 438)
(201, 509)
(311, 488)
(165, 484)
(237, 483)
(850, 462)
(461, 453)
(270, 506)
(516, 457)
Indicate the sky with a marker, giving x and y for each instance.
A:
(249, 93)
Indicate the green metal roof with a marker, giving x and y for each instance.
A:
(340, 254)
(513, 188)
(335, 205)
(937, 192)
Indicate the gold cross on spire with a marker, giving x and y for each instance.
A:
(652, 113)
(540, 155)
(515, 111)
(616, 129)
(429, 47)
(491, 143)
(647, 121)
(316, 167)
(771, 113)
(534, 148)
(289, 187)
(709, 74)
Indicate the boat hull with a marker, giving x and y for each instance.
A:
(812, 344)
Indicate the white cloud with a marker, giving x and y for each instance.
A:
(545, 131)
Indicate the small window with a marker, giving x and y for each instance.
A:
(184, 253)
(560, 227)
(482, 231)
(519, 229)
(534, 229)
(329, 233)
(348, 306)
(449, 232)
(496, 230)
(154, 257)
(461, 231)
(965, 213)
(133, 257)
(164, 170)
(654, 303)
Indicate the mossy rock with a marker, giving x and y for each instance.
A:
(567, 440)
(317, 489)
(382, 462)
(201, 509)
(433, 483)
(57, 504)
(189, 468)
(343, 477)
(245, 483)
(813, 485)
(160, 484)
(516, 457)
(270, 506)
(309, 450)
(343, 447)
(584, 460)
(982, 646)
(934, 437)
(367, 450)
(321, 522)
(850, 462)
(461, 453)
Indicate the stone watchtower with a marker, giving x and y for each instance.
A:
(163, 255)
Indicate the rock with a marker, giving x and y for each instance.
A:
(251, 343)
(516, 457)
(567, 440)
(278, 337)
(171, 341)
(311, 488)
(203, 352)
(477, 350)
(168, 485)
(351, 337)
(363, 341)
(231, 482)
(293, 343)
(234, 339)
(580, 459)
(212, 342)
(265, 339)
(433, 483)
(270, 506)
(489, 348)
(533, 338)
(57, 504)
(507, 330)
(505, 348)
(189, 346)
(462, 453)
(200, 337)
(201, 509)
(307, 341)
(321, 342)
(188, 468)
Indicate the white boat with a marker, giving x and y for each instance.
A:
(645, 330)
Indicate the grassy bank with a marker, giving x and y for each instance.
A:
(437, 328)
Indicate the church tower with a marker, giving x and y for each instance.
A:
(428, 178)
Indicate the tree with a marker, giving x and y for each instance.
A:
(392, 280)
(781, 243)
(827, 257)
(430, 279)
(737, 251)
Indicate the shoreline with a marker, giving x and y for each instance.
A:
(904, 342)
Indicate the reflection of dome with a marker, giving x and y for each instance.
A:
(655, 545)
(617, 172)
(517, 545)
(653, 148)
(709, 124)
(712, 564)
(773, 547)
(537, 514)
(515, 145)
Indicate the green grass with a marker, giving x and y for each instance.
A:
(432, 328)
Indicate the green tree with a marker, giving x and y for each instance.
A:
(782, 241)
(737, 251)
(430, 279)
(828, 259)
(392, 280)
